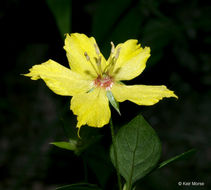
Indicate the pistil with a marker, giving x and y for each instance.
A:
(105, 82)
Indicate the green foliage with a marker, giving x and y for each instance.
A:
(138, 150)
(122, 15)
(182, 156)
(88, 137)
(115, 9)
(61, 10)
(88, 146)
(97, 159)
(79, 145)
(126, 21)
(79, 186)
(178, 33)
(157, 33)
(66, 145)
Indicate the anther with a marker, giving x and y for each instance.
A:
(97, 49)
(112, 48)
(86, 55)
(99, 60)
(99, 65)
(117, 53)
(89, 60)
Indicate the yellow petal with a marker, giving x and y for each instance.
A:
(141, 94)
(76, 45)
(131, 61)
(59, 79)
(91, 108)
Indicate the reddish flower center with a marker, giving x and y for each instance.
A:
(104, 81)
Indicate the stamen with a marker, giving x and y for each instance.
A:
(111, 59)
(114, 60)
(97, 49)
(117, 53)
(112, 48)
(86, 55)
(89, 60)
(99, 65)
(98, 62)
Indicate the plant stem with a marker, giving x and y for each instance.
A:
(115, 154)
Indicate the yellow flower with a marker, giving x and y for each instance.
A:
(91, 78)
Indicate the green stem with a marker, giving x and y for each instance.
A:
(115, 154)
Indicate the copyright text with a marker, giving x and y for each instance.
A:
(190, 183)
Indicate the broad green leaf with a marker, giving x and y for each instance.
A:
(79, 186)
(72, 145)
(112, 100)
(61, 10)
(182, 156)
(138, 150)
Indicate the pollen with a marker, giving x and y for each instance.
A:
(105, 82)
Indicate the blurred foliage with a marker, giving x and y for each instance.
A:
(61, 10)
(79, 187)
(178, 33)
(182, 156)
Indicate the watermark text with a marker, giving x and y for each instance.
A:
(191, 183)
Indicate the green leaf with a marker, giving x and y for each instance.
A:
(72, 145)
(182, 156)
(61, 10)
(79, 186)
(125, 187)
(112, 100)
(138, 150)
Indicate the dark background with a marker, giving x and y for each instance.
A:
(178, 33)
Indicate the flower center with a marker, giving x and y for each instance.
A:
(104, 82)
(105, 75)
